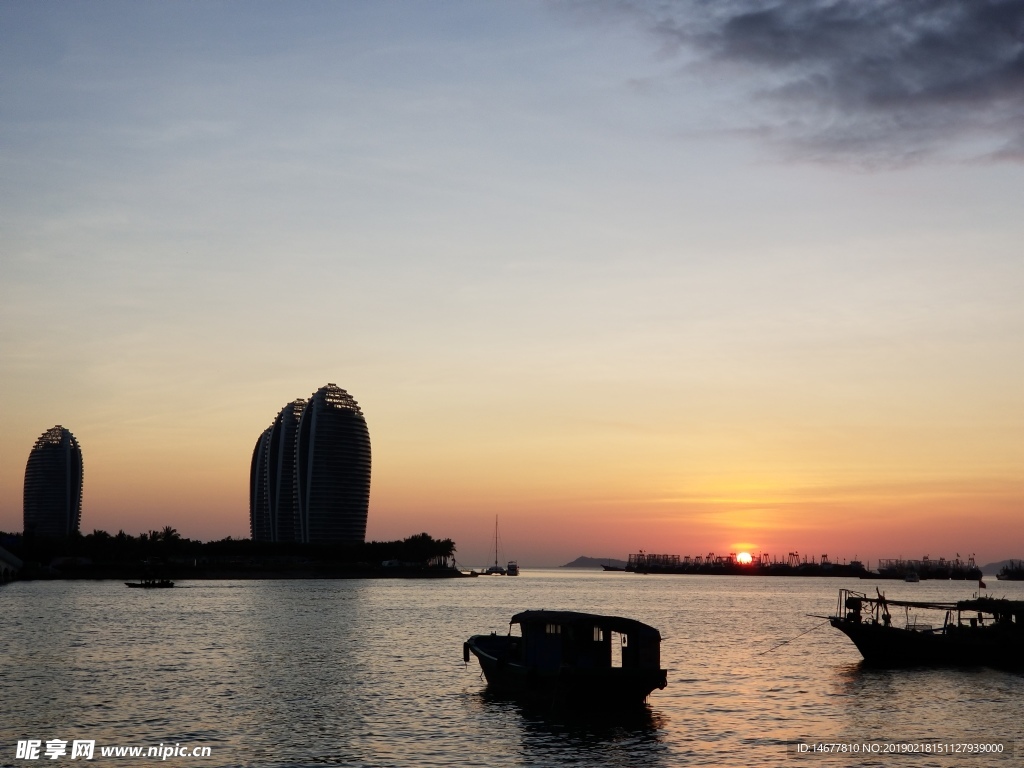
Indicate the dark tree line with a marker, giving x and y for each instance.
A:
(167, 544)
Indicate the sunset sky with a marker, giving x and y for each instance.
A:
(681, 277)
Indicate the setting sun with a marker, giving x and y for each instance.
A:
(744, 558)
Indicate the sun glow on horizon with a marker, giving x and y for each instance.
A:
(744, 558)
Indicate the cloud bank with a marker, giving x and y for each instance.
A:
(873, 82)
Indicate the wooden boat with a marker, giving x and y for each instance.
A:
(150, 584)
(983, 631)
(567, 657)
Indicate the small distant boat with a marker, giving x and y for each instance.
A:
(612, 567)
(911, 577)
(150, 584)
(1012, 571)
(497, 570)
(566, 657)
(983, 631)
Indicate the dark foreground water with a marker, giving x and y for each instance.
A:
(370, 673)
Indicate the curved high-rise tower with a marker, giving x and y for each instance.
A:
(332, 468)
(259, 498)
(53, 485)
(273, 506)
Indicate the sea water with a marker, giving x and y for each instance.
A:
(370, 673)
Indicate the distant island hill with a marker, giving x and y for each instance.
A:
(795, 565)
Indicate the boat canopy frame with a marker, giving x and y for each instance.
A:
(852, 603)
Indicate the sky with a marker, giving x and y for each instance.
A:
(680, 277)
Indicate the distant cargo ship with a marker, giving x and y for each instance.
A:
(1012, 571)
(742, 565)
(926, 568)
(795, 565)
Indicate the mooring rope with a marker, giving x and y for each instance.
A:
(816, 626)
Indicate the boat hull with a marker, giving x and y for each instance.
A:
(598, 687)
(889, 646)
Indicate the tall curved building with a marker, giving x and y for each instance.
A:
(53, 485)
(273, 506)
(259, 498)
(332, 468)
(309, 480)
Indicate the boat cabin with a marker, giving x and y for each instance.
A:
(553, 639)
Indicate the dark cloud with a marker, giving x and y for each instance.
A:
(868, 81)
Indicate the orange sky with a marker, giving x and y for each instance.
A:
(565, 484)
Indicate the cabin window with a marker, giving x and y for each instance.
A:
(553, 629)
(625, 641)
(598, 635)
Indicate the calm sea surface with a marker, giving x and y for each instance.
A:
(370, 673)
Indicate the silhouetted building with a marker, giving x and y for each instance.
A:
(310, 473)
(274, 509)
(259, 497)
(332, 462)
(53, 485)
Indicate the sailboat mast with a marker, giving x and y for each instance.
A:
(495, 541)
